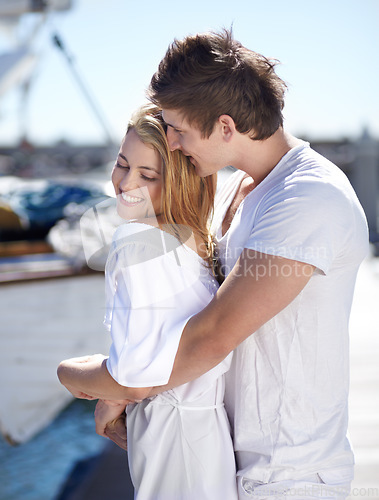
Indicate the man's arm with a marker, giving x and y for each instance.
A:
(258, 287)
(88, 377)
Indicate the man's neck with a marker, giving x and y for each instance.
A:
(259, 158)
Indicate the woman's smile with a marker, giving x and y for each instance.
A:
(131, 200)
(137, 179)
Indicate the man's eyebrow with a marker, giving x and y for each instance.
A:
(141, 166)
(172, 126)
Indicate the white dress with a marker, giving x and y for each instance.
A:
(179, 444)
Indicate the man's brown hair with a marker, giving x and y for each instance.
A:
(207, 75)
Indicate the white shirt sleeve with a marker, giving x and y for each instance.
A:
(154, 297)
(307, 223)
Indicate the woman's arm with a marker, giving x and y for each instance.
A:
(87, 377)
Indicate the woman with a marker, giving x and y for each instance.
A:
(159, 273)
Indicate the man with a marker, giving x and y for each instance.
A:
(291, 236)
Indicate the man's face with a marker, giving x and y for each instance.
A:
(206, 155)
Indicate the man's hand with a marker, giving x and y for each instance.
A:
(110, 421)
(116, 431)
(77, 366)
(79, 394)
(88, 376)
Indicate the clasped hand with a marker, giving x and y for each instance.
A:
(110, 418)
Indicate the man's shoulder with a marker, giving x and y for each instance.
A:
(308, 172)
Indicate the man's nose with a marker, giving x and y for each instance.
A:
(172, 139)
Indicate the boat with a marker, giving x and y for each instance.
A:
(53, 305)
(52, 300)
(43, 322)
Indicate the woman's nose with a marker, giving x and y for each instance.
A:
(128, 181)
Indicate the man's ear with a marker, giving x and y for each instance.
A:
(227, 127)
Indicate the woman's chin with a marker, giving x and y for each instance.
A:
(129, 212)
(134, 213)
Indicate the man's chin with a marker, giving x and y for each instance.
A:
(196, 166)
(201, 172)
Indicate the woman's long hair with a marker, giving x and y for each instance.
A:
(187, 199)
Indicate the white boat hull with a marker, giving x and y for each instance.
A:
(43, 322)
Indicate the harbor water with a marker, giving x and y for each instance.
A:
(38, 469)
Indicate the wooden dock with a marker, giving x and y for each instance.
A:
(32, 260)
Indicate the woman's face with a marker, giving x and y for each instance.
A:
(137, 179)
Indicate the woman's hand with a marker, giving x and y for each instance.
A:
(110, 421)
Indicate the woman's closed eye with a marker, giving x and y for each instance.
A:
(146, 178)
(121, 166)
(143, 176)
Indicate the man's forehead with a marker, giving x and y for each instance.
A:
(173, 118)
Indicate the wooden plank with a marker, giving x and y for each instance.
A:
(38, 266)
(23, 247)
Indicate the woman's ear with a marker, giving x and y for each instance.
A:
(227, 127)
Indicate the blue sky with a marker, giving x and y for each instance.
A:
(328, 51)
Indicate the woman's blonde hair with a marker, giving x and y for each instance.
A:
(187, 199)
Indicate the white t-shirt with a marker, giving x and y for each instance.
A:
(287, 389)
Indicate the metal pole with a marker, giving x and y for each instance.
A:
(59, 44)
